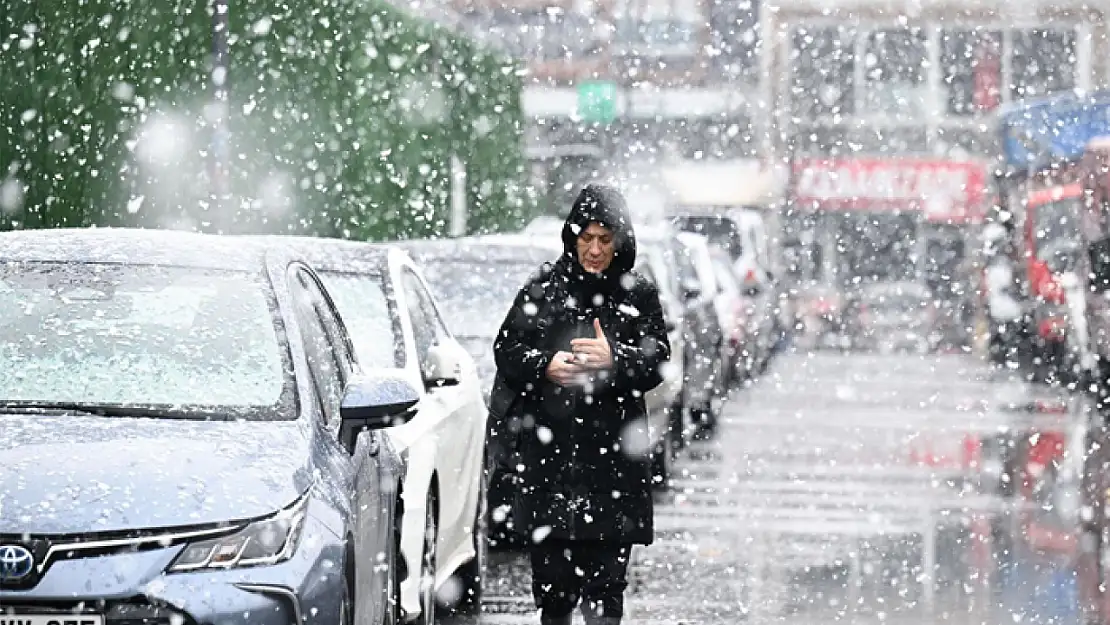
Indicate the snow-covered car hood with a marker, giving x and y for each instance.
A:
(76, 474)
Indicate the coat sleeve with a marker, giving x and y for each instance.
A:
(517, 347)
(637, 362)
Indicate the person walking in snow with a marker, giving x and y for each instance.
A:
(581, 345)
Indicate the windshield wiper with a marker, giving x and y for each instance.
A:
(98, 410)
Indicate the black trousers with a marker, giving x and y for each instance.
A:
(566, 572)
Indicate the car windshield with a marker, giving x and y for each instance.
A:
(182, 342)
(474, 296)
(721, 231)
(361, 302)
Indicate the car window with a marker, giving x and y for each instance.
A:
(328, 361)
(143, 335)
(721, 231)
(363, 305)
(431, 313)
(423, 329)
(475, 296)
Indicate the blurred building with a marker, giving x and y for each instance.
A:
(613, 78)
(921, 76)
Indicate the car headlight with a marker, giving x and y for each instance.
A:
(265, 541)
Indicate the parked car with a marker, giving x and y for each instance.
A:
(189, 436)
(714, 351)
(746, 354)
(742, 234)
(695, 322)
(396, 323)
(664, 402)
(893, 316)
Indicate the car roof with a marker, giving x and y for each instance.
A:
(133, 246)
(332, 255)
(489, 248)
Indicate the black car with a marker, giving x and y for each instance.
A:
(188, 437)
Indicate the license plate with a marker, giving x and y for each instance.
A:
(51, 619)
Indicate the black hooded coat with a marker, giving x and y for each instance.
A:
(583, 453)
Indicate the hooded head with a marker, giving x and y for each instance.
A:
(604, 206)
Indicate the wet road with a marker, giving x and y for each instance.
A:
(818, 500)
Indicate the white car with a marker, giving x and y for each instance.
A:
(665, 402)
(723, 305)
(394, 323)
(734, 318)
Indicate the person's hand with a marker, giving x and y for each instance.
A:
(564, 370)
(593, 353)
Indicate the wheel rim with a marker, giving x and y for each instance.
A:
(428, 567)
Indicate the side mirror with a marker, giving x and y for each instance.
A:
(373, 402)
(443, 366)
(753, 290)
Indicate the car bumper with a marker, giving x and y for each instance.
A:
(132, 589)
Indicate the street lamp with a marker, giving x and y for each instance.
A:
(220, 106)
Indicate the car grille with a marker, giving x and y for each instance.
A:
(136, 612)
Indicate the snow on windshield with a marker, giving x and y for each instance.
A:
(137, 335)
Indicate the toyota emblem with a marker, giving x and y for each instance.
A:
(16, 563)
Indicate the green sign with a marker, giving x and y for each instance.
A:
(597, 101)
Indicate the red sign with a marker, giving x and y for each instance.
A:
(946, 191)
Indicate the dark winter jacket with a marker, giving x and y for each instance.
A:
(582, 453)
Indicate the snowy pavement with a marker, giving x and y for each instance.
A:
(815, 502)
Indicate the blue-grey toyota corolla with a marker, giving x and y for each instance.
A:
(186, 438)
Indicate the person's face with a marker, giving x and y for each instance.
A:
(596, 248)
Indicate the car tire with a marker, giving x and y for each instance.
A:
(467, 581)
(662, 460)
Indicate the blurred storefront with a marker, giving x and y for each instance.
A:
(855, 220)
